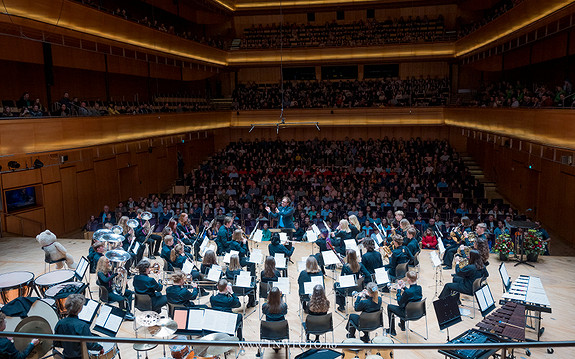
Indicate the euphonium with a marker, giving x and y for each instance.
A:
(463, 262)
(466, 250)
(118, 259)
(472, 237)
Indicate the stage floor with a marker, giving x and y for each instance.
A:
(556, 273)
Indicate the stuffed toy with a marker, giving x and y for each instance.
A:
(54, 251)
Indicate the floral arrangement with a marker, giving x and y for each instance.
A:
(503, 244)
(533, 242)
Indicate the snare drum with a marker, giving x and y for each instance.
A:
(110, 351)
(50, 279)
(14, 285)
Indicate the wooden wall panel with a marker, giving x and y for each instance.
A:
(265, 75)
(492, 63)
(106, 177)
(432, 69)
(29, 224)
(70, 203)
(162, 71)
(517, 58)
(126, 66)
(85, 84)
(552, 48)
(20, 50)
(21, 178)
(128, 178)
(54, 208)
(70, 57)
(22, 77)
(88, 194)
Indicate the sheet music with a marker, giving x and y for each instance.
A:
(282, 284)
(136, 247)
(504, 275)
(315, 229)
(281, 261)
(113, 323)
(346, 281)
(311, 236)
(81, 268)
(379, 241)
(381, 276)
(440, 246)
(308, 287)
(181, 317)
(196, 319)
(258, 236)
(221, 322)
(187, 267)
(217, 266)
(105, 311)
(256, 256)
(351, 244)
(283, 237)
(244, 279)
(481, 300)
(88, 310)
(435, 259)
(214, 274)
(329, 257)
(317, 279)
(301, 266)
(228, 255)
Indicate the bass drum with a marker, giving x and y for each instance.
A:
(41, 308)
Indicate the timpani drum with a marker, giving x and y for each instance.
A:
(110, 351)
(50, 279)
(353, 353)
(382, 352)
(14, 285)
(60, 292)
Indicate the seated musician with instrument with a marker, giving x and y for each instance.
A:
(224, 236)
(351, 267)
(167, 250)
(7, 348)
(367, 301)
(354, 226)
(371, 259)
(234, 269)
(143, 284)
(321, 242)
(342, 233)
(239, 243)
(97, 251)
(465, 276)
(404, 295)
(71, 325)
(208, 261)
(177, 294)
(144, 235)
(225, 301)
(458, 239)
(276, 247)
(270, 273)
(177, 256)
(399, 255)
(274, 308)
(318, 305)
(412, 240)
(106, 279)
(298, 233)
(311, 270)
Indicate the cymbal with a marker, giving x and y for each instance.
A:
(164, 328)
(147, 319)
(522, 224)
(142, 347)
(36, 325)
(210, 351)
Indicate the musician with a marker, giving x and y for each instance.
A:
(142, 237)
(97, 251)
(143, 284)
(354, 226)
(224, 236)
(318, 305)
(285, 214)
(437, 228)
(187, 232)
(270, 273)
(412, 242)
(544, 235)
(351, 267)
(177, 294)
(298, 233)
(234, 267)
(367, 301)
(371, 259)
(404, 225)
(178, 257)
(266, 233)
(482, 247)
(464, 277)
(71, 325)
(274, 308)
(399, 215)
(7, 348)
(207, 262)
(459, 239)
(167, 251)
(106, 279)
(406, 292)
(225, 301)
(276, 247)
(311, 270)
(400, 254)
(343, 233)
(321, 242)
(240, 243)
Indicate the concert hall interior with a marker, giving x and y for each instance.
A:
(249, 171)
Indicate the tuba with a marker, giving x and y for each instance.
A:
(118, 259)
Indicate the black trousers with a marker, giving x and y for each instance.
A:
(449, 254)
(397, 310)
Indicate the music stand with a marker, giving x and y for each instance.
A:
(505, 278)
(522, 225)
(484, 300)
(447, 312)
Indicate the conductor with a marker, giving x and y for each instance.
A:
(285, 214)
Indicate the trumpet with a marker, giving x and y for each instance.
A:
(387, 250)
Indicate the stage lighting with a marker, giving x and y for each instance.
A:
(38, 163)
(13, 165)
